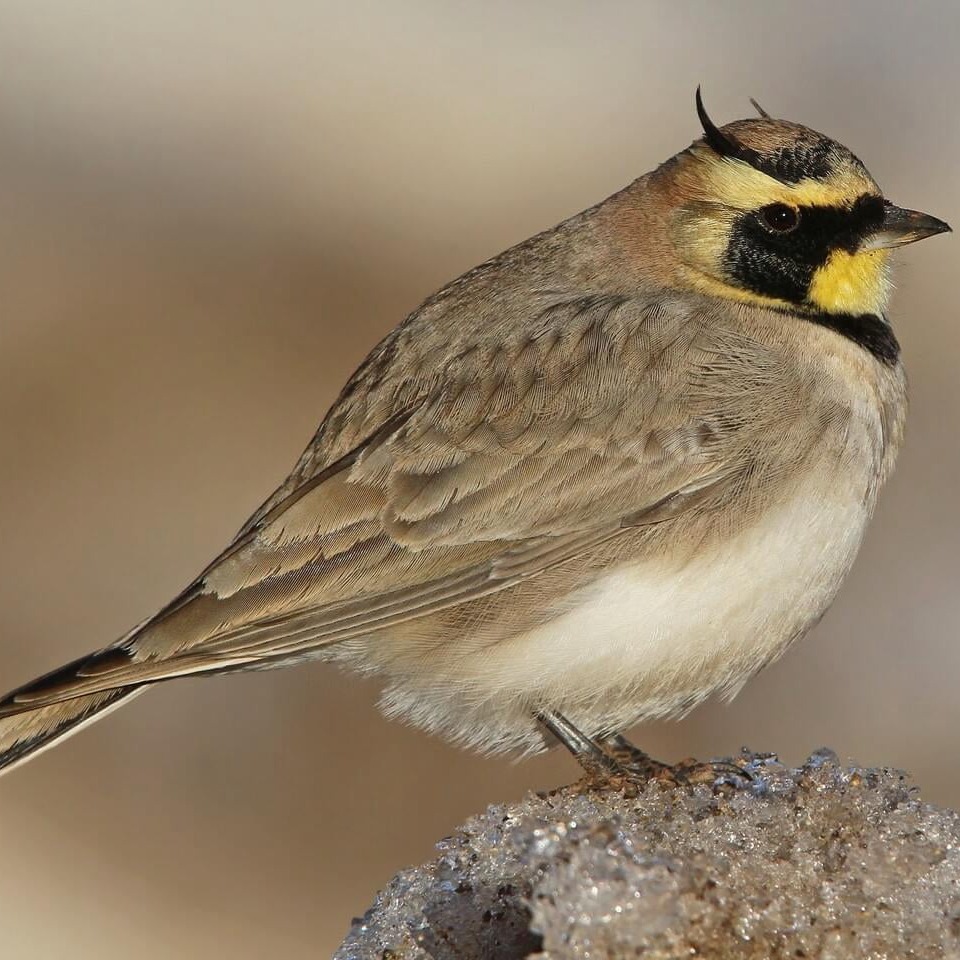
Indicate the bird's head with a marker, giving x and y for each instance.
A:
(771, 212)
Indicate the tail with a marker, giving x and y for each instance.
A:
(25, 734)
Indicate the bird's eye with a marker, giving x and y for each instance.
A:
(779, 218)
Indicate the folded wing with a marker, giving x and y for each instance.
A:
(430, 485)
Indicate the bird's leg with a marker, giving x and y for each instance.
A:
(588, 753)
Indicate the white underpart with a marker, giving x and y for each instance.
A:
(647, 641)
(729, 610)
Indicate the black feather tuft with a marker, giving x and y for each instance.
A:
(724, 145)
(809, 158)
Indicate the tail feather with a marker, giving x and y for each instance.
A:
(26, 734)
(65, 683)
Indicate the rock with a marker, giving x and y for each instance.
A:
(823, 861)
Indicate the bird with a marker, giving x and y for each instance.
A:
(607, 474)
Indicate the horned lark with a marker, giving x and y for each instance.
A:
(608, 473)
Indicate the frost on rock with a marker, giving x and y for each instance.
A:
(824, 861)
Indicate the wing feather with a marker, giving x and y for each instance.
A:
(469, 477)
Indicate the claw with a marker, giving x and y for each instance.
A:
(691, 771)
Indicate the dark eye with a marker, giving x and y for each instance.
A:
(780, 218)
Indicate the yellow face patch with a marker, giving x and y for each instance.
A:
(721, 191)
(738, 185)
(852, 283)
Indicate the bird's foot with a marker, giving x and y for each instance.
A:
(638, 766)
(633, 762)
(614, 760)
(690, 772)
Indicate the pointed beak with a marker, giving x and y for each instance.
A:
(902, 226)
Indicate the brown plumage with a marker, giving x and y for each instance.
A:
(605, 474)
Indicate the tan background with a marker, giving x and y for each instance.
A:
(208, 214)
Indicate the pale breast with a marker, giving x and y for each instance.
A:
(649, 640)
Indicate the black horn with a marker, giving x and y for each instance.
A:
(721, 143)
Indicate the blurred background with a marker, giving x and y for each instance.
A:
(209, 212)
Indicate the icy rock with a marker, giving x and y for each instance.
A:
(824, 861)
